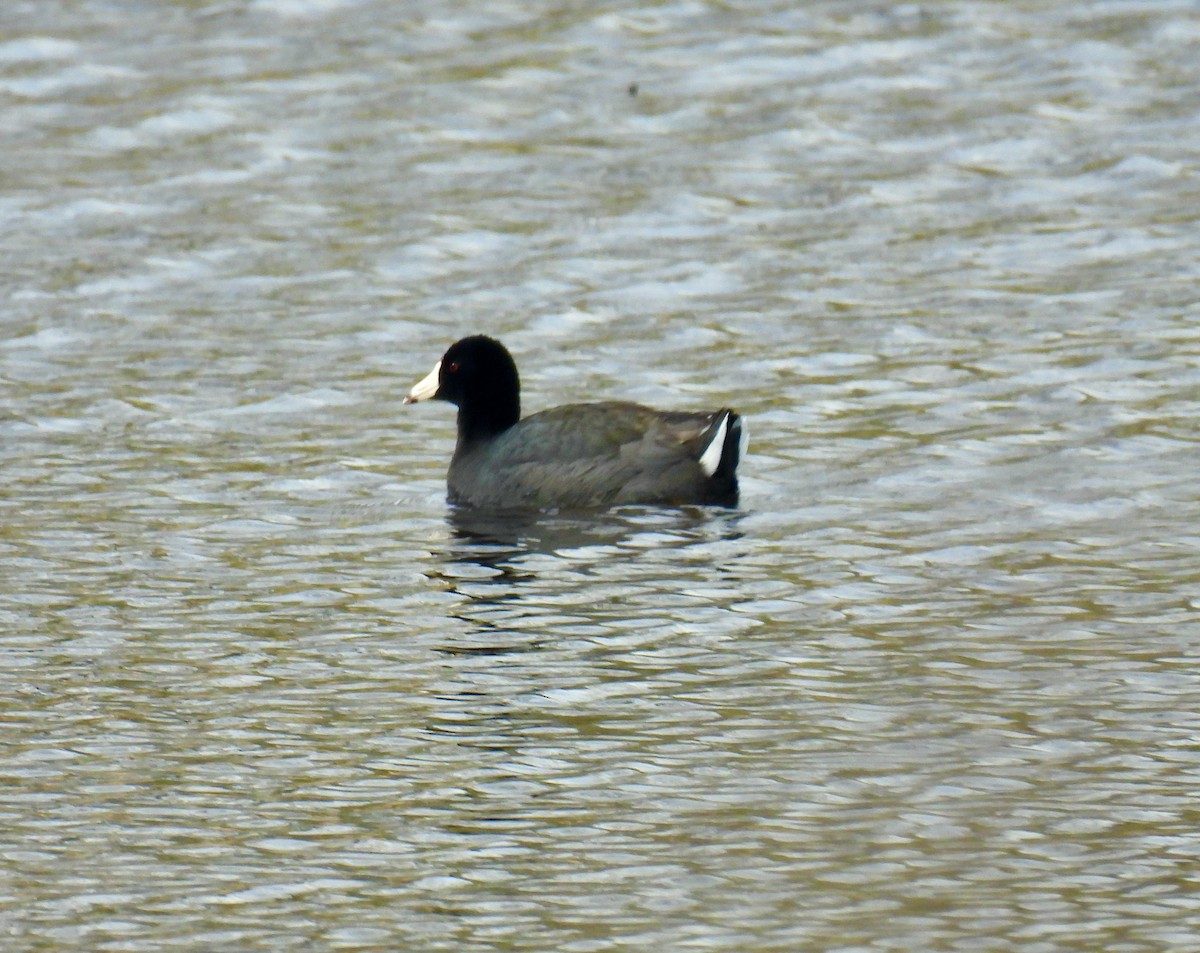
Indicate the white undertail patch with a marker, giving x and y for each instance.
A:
(710, 459)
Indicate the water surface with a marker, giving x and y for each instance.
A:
(930, 687)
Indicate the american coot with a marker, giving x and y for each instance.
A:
(576, 455)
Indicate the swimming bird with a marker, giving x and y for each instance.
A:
(576, 455)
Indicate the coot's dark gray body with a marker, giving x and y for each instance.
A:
(576, 455)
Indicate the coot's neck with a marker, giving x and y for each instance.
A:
(482, 421)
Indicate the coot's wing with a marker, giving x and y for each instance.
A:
(576, 432)
(597, 454)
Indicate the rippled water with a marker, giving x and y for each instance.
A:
(932, 687)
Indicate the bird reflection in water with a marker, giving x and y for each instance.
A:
(520, 572)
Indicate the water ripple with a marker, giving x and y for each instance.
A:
(932, 686)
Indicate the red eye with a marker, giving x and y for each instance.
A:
(452, 367)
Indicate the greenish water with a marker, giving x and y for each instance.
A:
(932, 687)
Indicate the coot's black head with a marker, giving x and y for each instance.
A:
(479, 376)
